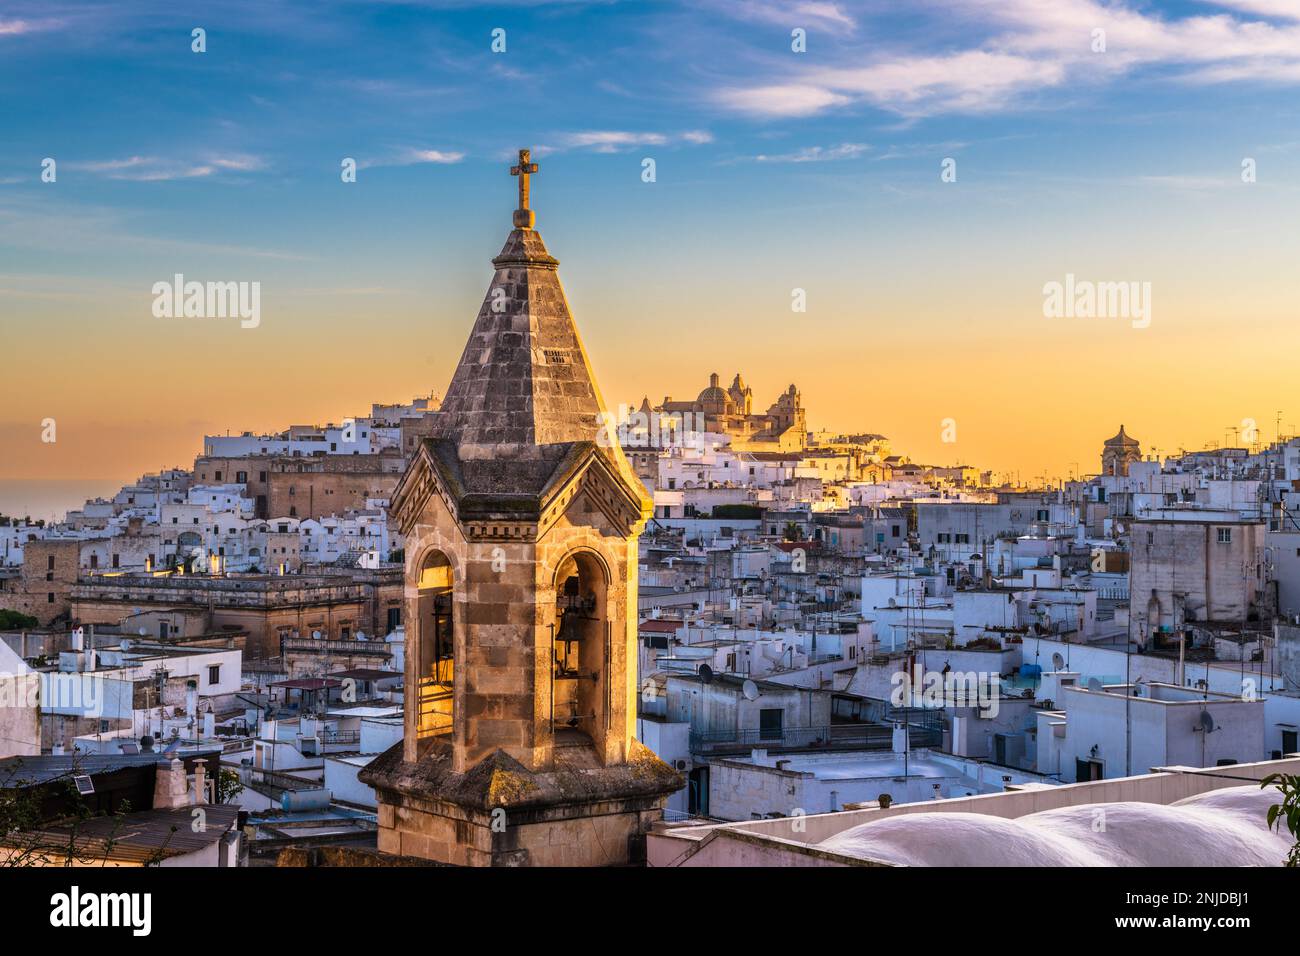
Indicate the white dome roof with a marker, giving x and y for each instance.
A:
(1219, 828)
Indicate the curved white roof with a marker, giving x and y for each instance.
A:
(1219, 828)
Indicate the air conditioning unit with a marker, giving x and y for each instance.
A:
(310, 746)
(680, 764)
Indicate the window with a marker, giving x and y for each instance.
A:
(115, 557)
(895, 531)
(49, 598)
(214, 674)
(241, 476)
(49, 563)
(1225, 535)
(1085, 770)
(261, 476)
(217, 476)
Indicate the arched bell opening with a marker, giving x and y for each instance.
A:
(434, 647)
(580, 652)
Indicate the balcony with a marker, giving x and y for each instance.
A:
(924, 730)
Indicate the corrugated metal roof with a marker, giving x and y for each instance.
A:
(141, 837)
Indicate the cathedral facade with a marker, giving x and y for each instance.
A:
(729, 411)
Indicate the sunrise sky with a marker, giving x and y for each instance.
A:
(775, 170)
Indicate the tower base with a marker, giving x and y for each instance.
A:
(499, 813)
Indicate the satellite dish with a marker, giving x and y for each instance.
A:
(1058, 662)
(1094, 684)
(315, 635)
(1207, 722)
(706, 673)
(750, 690)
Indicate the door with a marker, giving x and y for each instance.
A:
(697, 795)
(770, 724)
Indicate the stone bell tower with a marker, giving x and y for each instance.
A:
(521, 517)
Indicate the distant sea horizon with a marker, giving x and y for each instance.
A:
(51, 499)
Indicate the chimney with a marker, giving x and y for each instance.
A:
(169, 788)
(200, 781)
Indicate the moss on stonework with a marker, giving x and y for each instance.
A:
(507, 788)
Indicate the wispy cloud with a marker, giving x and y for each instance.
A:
(14, 28)
(786, 99)
(1281, 9)
(1026, 47)
(77, 227)
(613, 141)
(790, 15)
(412, 156)
(816, 154)
(155, 169)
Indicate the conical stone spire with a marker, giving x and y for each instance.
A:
(523, 380)
(523, 390)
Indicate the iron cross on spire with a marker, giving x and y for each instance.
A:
(524, 217)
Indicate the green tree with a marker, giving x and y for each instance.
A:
(228, 786)
(1289, 810)
(14, 621)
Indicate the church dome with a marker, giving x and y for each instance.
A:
(714, 395)
(1122, 440)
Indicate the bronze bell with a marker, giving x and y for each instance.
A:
(570, 628)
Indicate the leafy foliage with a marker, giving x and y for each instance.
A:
(1288, 810)
(14, 621)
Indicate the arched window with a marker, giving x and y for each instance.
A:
(579, 677)
(435, 647)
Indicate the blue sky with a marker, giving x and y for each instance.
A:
(775, 170)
